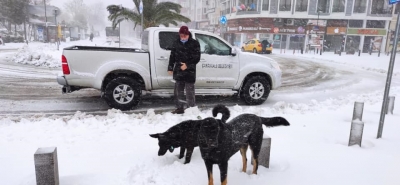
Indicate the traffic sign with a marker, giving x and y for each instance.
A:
(393, 1)
(141, 7)
(223, 19)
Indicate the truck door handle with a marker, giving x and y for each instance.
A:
(162, 58)
(202, 60)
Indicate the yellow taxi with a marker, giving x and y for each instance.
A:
(257, 46)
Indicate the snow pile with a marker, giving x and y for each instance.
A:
(44, 56)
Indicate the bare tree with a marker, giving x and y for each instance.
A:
(39, 2)
(78, 12)
(97, 15)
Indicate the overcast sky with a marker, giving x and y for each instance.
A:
(125, 3)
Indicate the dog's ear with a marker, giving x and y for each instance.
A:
(155, 135)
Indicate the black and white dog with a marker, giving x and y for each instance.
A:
(218, 140)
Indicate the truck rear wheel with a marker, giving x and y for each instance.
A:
(255, 91)
(122, 93)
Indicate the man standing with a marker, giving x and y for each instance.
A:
(185, 54)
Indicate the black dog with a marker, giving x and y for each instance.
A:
(218, 141)
(183, 135)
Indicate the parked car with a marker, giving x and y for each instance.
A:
(124, 75)
(256, 46)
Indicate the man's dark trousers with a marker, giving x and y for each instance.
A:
(180, 100)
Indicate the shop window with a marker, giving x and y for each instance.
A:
(324, 5)
(352, 44)
(285, 5)
(360, 6)
(381, 7)
(338, 5)
(375, 24)
(355, 23)
(265, 5)
(301, 5)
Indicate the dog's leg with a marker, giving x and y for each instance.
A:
(255, 151)
(182, 152)
(223, 168)
(243, 151)
(209, 166)
(189, 153)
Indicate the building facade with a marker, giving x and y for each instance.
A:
(347, 25)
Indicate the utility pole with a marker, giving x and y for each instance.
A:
(45, 15)
(56, 28)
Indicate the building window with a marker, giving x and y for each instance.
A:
(323, 6)
(355, 23)
(265, 5)
(381, 7)
(360, 6)
(375, 24)
(397, 10)
(338, 5)
(301, 5)
(285, 5)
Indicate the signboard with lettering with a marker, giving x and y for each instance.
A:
(366, 31)
(336, 30)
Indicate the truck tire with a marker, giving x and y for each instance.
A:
(122, 93)
(254, 50)
(256, 90)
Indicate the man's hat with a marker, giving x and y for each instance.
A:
(184, 30)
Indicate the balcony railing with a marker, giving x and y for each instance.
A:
(359, 9)
(337, 9)
(300, 8)
(381, 11)
(284, 8)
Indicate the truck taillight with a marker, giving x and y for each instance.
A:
(259, 45)
(64, 65)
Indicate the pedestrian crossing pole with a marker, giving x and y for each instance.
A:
(389, 75)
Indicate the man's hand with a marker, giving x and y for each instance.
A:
(183, 66)
(170, 72)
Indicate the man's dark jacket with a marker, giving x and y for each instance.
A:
(189, 53)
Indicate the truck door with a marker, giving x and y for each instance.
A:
(217, 67)
(163, 41)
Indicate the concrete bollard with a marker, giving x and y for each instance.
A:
(358, 110)
(265, 152)
(46, 166)
(390, 105)
(356, 132)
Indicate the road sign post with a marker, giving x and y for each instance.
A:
(389, 75)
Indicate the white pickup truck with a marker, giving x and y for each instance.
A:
(124, 75)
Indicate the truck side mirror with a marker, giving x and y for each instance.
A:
(233, 51)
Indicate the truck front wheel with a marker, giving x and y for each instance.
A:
(122, 93)
(255, 91)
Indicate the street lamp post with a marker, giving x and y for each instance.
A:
(321, 45)
(45, 15)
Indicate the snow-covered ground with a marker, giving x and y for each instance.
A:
(117, 149)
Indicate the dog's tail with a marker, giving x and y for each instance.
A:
(223, 110)
(274, 121)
